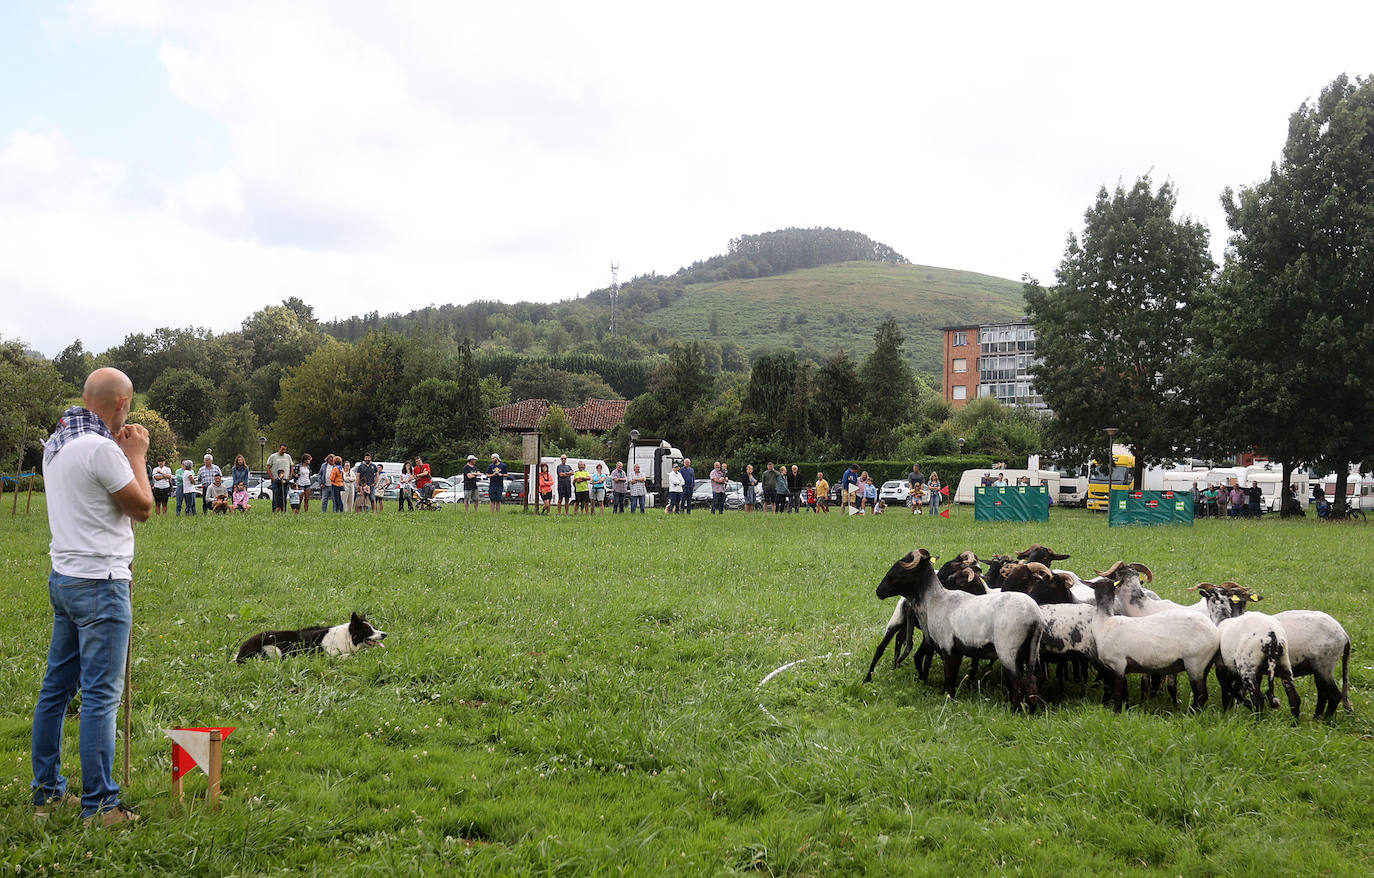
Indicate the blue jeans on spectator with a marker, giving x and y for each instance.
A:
(718, 502)
(934, 502)
(687, 500)
(675, 501)
(619, 504)
(637, 501)
(90, 640)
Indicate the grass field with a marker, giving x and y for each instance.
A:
(843, 305)
(581, 697)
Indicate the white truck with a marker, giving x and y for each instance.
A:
(656, 458)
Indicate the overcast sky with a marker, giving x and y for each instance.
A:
(186, 163)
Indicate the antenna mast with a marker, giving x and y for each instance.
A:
(614, 296)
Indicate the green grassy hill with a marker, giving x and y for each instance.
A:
(840, 306)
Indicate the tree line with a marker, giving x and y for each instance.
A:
(1271, 352)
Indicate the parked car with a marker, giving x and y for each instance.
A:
(453, 492)
(734, 494)
(895, 491)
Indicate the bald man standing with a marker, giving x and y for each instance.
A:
(94, 470)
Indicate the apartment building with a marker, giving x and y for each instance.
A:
(990, 359)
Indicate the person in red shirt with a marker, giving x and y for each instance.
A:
(422, 478)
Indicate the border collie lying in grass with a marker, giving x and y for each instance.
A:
(343, 640)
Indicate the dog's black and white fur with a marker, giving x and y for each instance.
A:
(355, 636)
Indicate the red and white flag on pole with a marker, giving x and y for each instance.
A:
(191, 747)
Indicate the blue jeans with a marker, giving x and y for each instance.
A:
(90, 641)
(619, 497)
(718, 503)
(687, 498)
(637, 502)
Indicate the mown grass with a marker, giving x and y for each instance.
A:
(580, 696)
(843, 305)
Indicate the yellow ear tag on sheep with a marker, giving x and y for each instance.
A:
(1254, 597)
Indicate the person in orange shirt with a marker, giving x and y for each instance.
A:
(336, 484)
(545, 487)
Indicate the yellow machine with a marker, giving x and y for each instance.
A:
(1121, 476)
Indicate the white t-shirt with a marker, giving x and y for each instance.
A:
(162, 477)
(92, 538)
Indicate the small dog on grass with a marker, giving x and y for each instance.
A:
(355, 636)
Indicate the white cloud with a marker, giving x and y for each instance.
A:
(391, 155)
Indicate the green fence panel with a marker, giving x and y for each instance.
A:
(1011, 503)
(1150, 508)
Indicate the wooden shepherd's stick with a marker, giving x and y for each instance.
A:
(128, 684)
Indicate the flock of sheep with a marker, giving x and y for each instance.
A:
(1028, 615)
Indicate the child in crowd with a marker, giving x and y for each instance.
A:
(240, 497)
(294, 498)
(279, 489)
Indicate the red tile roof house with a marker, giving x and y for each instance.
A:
(593, 416)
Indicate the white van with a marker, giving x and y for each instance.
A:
(972, 478)
(553, 463)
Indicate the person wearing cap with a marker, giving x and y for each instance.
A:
(564, 476)
(496, 481)
(206, 475)
(470, 475)
(675, 490)
(162, 485)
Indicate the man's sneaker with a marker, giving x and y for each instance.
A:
(116, 816)
(47, 809)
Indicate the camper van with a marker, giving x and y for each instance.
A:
(972, 478)
(1359, 490)
(1270, 479)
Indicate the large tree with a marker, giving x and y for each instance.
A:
(31, 394)
(1112, 329)
(186, 399)
(344, 398)
(1284, 345)
(161, 440)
